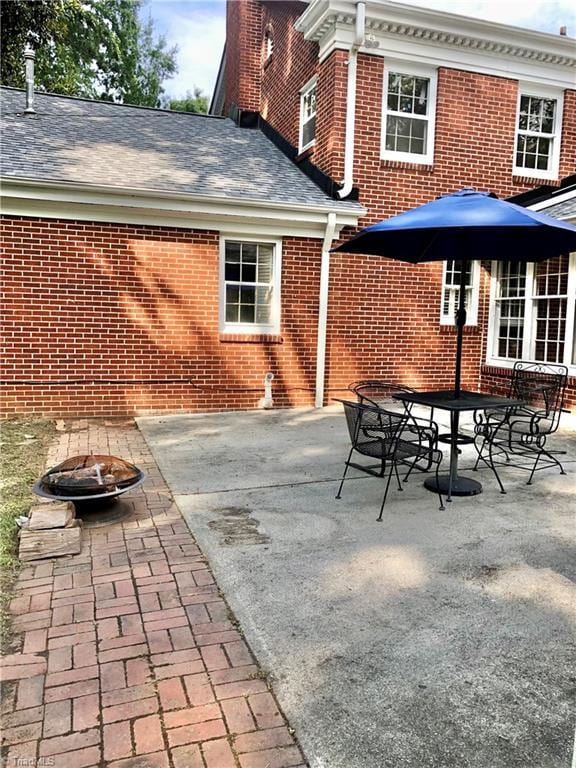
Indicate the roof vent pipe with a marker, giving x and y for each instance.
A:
(359, 38)
(29, 57)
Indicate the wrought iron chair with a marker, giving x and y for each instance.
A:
(380, 394)
(376, 392)
(392, 440)
(517, 436)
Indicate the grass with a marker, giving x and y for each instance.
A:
(22, 455)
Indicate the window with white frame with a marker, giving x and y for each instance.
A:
(268, 45)
(250, 286)
(451, 291)
(538, 127)
(409, 111)
(308, 115)
(533, 311)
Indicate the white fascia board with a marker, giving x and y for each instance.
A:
(445, 39)
(554, 199)
(70, 201)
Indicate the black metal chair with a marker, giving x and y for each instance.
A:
(517, 436)
(392, 440)
(380, 394)
(376, 392)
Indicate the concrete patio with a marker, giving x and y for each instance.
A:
(430, 640)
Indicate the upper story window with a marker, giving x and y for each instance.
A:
(409, 111)
(307, 115)
(537, 148)
(451, 291)
(250, 286)
(533, 312)
(268, 45)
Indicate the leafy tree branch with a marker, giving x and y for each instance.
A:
(99, 49)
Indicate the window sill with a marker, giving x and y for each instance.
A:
(526, 178)
(470, 330)
(250, 338)
(407, 165)
(305, 154)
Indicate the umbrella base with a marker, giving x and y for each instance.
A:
(461, 486)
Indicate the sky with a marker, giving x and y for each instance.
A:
(197, 27)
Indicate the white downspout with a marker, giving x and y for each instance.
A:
(323, 309)
(351, 100)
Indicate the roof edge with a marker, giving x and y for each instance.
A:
(219, 95)
(545, 192)
(110, 103)
(150, 193)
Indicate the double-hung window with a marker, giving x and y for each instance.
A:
(250, 286)
(307, 115)
(533, 312)
(409, 111)
(451, 291)
(538, 130)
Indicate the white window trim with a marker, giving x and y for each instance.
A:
(272, 328)
(268, 44)
(472, 313)
(528, 342)
(303, 92)
(540, 92)
(416, 70)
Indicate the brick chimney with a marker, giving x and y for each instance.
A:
(244, 37)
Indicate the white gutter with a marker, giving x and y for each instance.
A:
(351, 100)
(12, 183)
(323, 309)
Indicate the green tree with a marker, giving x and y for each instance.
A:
(94, 48)
(195, 101)
(24, 22)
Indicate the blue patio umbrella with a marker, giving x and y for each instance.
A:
(464, 226)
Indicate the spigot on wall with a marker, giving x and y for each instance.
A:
(267, 401)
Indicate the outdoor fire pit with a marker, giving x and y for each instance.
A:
(88, 478)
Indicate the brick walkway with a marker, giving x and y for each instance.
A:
(129, 656)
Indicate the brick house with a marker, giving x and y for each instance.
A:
(159, 261)
(438, 102)
(155, 261)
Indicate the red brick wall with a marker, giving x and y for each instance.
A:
(384, 316)
(103, 318)
(243, 71)
(108, 302)
(328, 153)
(496, 380)
(384, 323)
(474, 143)
(568, 150)
(293, 62)
(109, 306)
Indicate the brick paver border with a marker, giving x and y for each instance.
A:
(127, 655)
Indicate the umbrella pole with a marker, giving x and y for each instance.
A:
(460, 323)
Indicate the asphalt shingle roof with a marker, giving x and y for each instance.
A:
(99, 143)
(563, 210)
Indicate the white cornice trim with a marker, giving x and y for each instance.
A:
(447, 39)
(28, 197)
